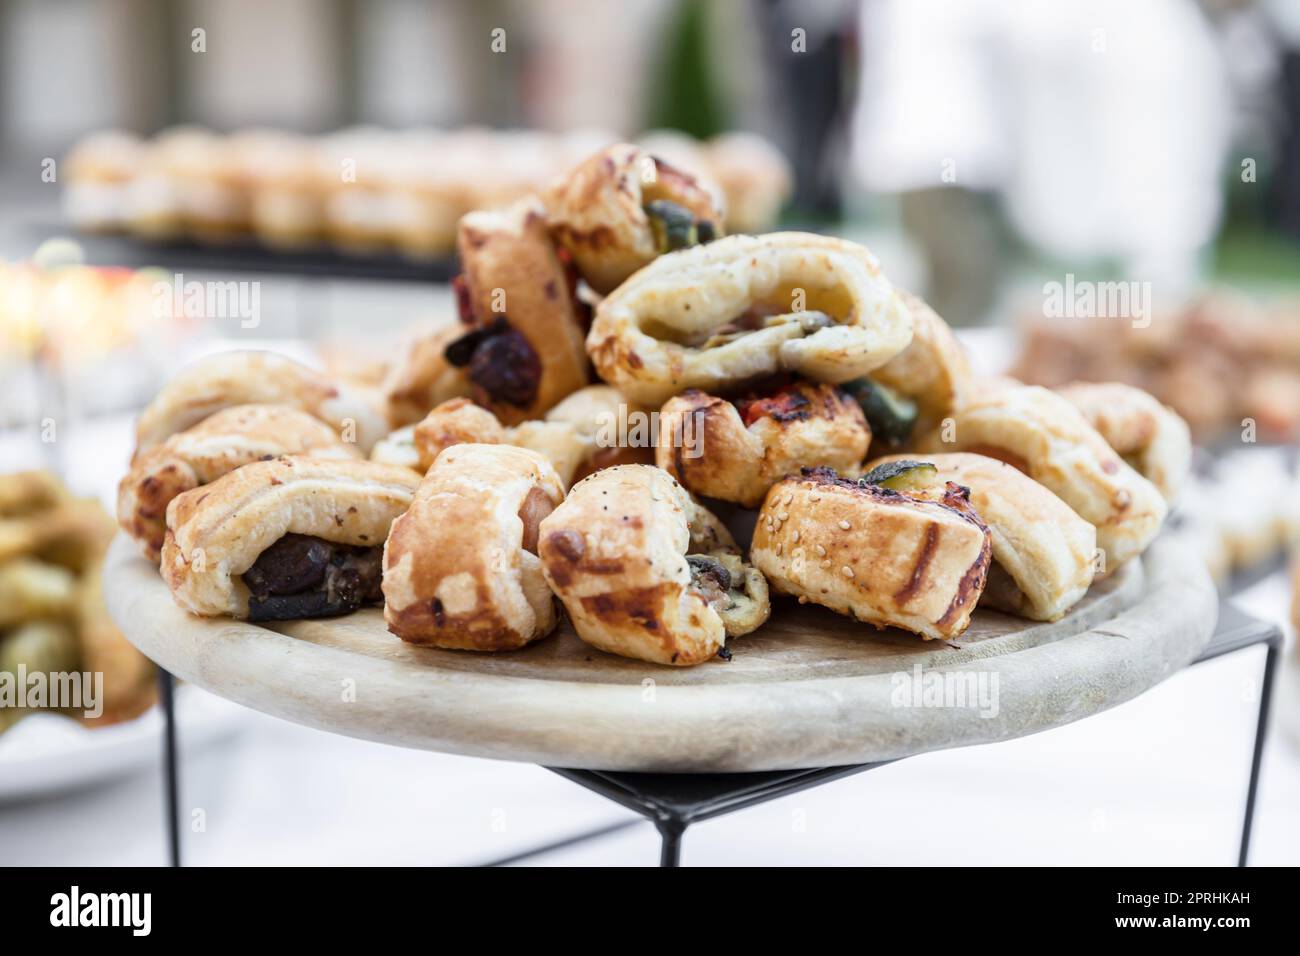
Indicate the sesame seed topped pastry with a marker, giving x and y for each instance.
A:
(282, 539)
(1043, 553)
(461, 568)
(881, 556)
(735, 451)
(219, 444)
(524, 350)
(645, 572)
(721, 316)
(246, 377)
(620, 208)
(1046, 437)
(1146, 434)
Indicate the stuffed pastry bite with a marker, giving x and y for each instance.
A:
(288, 538)
(620, 208)
(460, 568)
(1043, 553)
(246, 377)
(736, 450)
(1046, 437)
(722, 316)
(646, 572)
(216, 446)
(1146, 434)
(423, 378)
(522, 350)
(887, 557)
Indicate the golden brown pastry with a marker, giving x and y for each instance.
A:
(128, 674)
(455, 422)
(288, 538)
(1147, 435)
(619, 209)
(880, 556)
(256, 378)
(724, 315)
(607, 428)
(645, 572)
(1043, 553)
(31, 589)
(735, 451)
(1047, 438)
(219, 444)
(524, 350)
(460, 567)
(22, 492)
(423, 378)
(71, 534)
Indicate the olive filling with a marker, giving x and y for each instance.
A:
(710, 578)
(892, 417)
(761, 318)
(902, 475)
(502, 364)
(301, 576)
(675, 227)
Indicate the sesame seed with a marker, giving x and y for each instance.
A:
(778, 547)
(844, 525)
(847, 571)
(821, 550)
(782, 516)
(814, 498)
(795, 537)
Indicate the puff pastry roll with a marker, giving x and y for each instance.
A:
(524, 351)
(1148, 435)
(1047, 438)
(735, 451)
(256, 378)
(282, 539)
(423, 378)
(460, 567)
(645, 572)
(877, 555)
(219, 444)
(720, 316)
(398, 448)
(619, 209)
(1043, 553)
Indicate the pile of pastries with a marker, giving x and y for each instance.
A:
(367, 190)
(622, 373)
(52, 615)
(1229, 366)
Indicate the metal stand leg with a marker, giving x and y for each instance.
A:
(171, 803)
(1261, 733)
(670, 851)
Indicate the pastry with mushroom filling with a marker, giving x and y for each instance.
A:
(646, 572)
(1046, 437)
(1146, 434)
(523, 350)
(461, 568)
(256, 378)
(283, 539)
(216, 446)
(722, 316)
(882, 555)
(619, 209)
(735, 451)
(423, 378)
(1043, 553)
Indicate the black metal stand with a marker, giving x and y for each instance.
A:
(171, 773)
(672, 802)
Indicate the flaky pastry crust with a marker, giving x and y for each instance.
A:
(423, 378)
(932, 371)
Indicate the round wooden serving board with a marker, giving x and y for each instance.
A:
(809, 689)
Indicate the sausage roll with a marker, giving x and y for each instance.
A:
(423, 378)
(1146, 434)
(219, 444)
(645, 572)
(737, 450)
(256, 378)
(282, 539)
(881, 556)
(723, 315)
(1046, 437)
(1043, 553)
(524, 351)
(461, 567)
(619, 209)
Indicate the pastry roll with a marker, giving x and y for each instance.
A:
(31, 589)
(723, 315)
(255, 378)
(219, 444)
(1146, 434)
(735, 451)
(645, 572)
(22, 492)
(619, 209)
(755, 177)
(524, 351)
(1046, 437)
(128, 674)
(423, 378)
(608, 429)
(1043, 553)
(282, 539)
(398, 448)
(461, 567)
